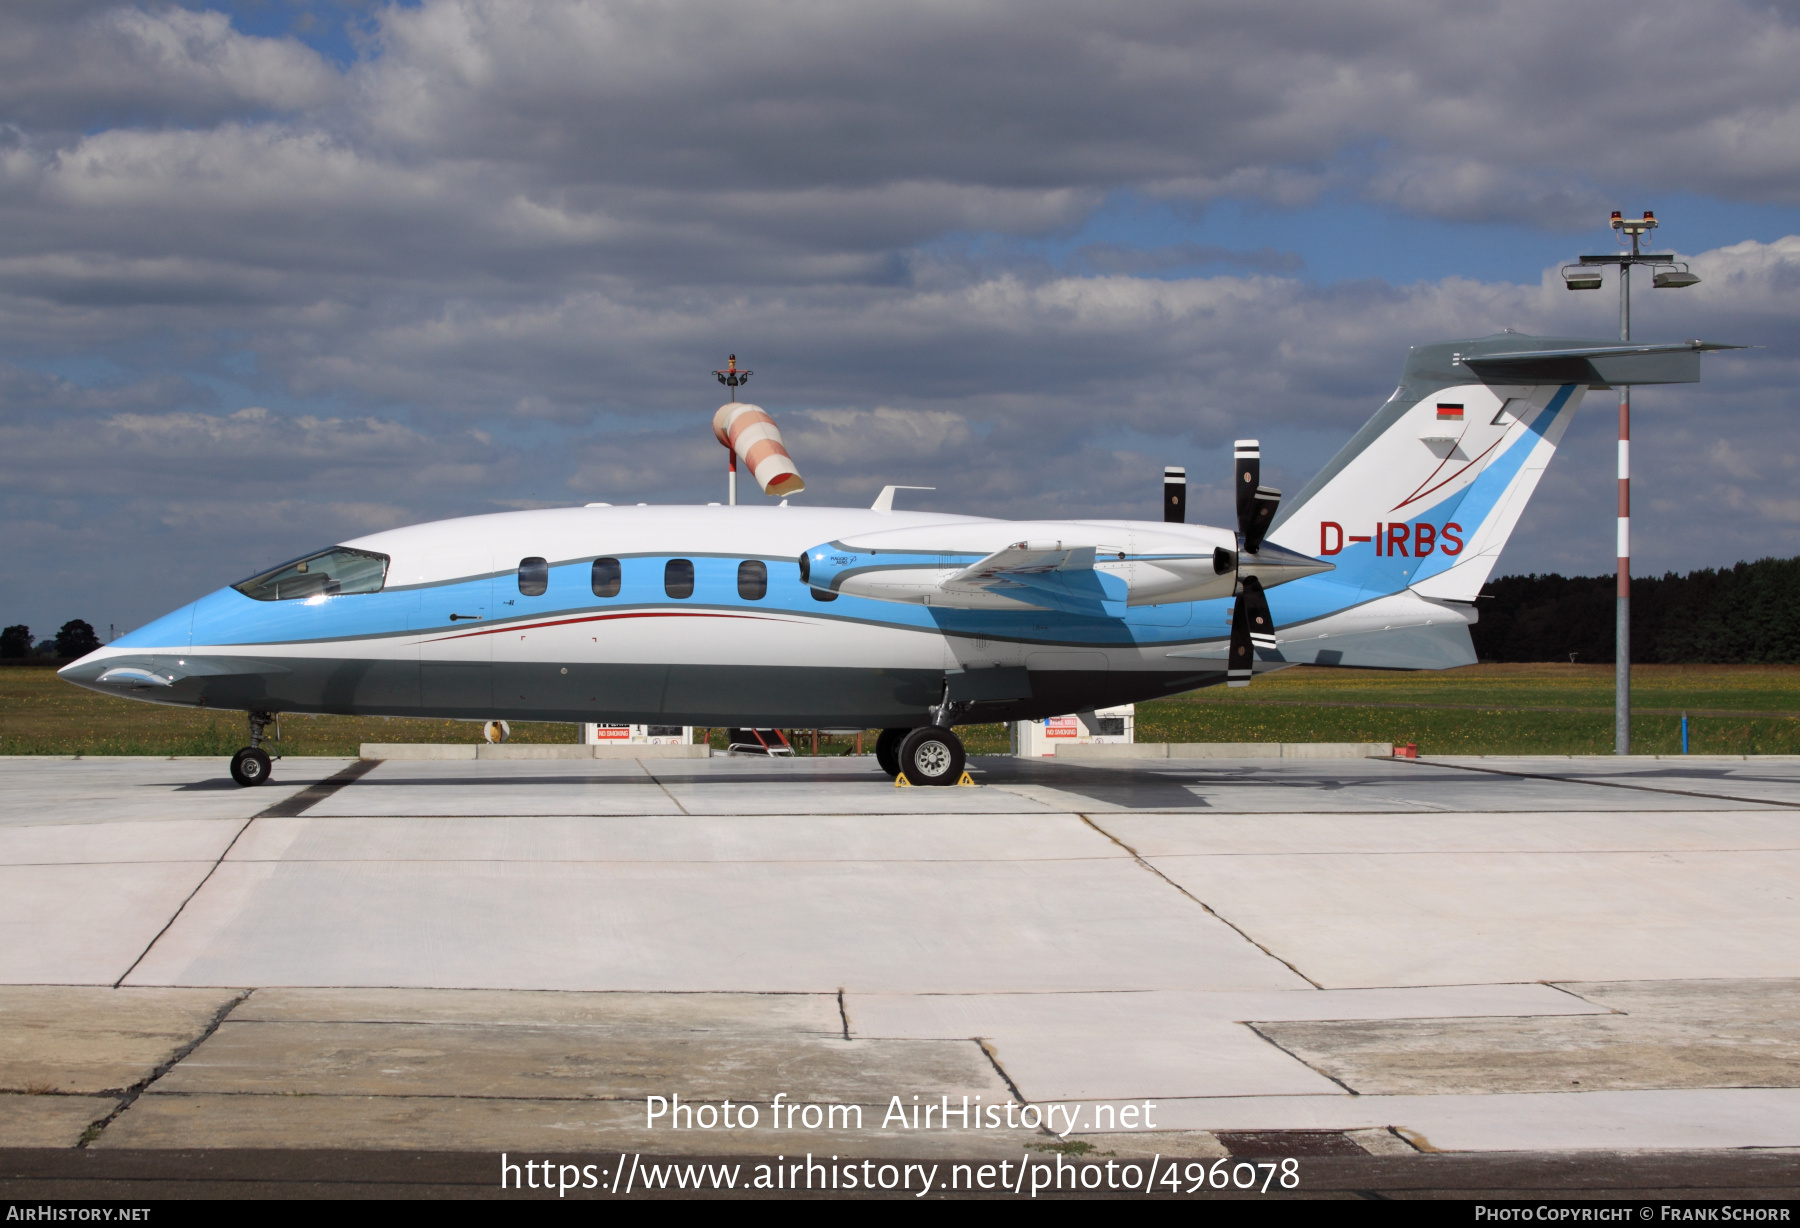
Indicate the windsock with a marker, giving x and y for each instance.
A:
(747, 430)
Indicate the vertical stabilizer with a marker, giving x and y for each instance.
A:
(1426, 494)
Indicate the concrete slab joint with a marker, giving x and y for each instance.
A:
(1227, 750)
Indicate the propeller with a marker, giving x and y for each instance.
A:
(1252, 626)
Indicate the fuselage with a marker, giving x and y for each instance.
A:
(710, 616)
(458, 629)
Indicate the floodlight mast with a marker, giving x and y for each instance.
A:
(732, 378)
(1586, 276)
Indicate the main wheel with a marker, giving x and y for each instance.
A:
(887, 749)
(932, 756)
(250, 766)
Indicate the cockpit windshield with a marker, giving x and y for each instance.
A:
(328, 573)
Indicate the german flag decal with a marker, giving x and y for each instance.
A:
(1449, 413)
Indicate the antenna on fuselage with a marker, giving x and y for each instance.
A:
(732, 378)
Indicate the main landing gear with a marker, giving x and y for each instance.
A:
(887, 749)
(931, 755)
(251, 765)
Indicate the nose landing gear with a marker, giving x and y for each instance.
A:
(251, 765)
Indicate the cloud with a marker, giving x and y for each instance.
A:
(1120, 258)
(251, 299)
(68, 66)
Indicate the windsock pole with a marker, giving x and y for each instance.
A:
(731, 377)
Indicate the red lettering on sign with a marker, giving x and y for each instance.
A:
(1326, 529)
(1424, 538)
(1396, 540)
(1452, 543)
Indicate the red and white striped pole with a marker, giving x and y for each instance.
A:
(1622, 671)
(1622, 650)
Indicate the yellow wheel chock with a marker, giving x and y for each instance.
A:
(901, 782)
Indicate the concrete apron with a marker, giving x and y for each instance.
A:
(1364, 952)
(1605, 1067)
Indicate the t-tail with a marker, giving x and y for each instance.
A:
(1416, 508)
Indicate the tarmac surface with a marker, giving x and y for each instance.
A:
(1534, 965)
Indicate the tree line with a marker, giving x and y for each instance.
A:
(75, 639)
(1748, 614)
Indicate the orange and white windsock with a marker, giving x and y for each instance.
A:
(749, 431)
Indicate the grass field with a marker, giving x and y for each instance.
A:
(1482, 709)
(1497, 709)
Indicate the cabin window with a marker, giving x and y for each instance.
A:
(678, 578)
(753, 580)
(534, 577)
(606, 577)
(329, 573)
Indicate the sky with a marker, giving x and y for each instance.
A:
(279, 273)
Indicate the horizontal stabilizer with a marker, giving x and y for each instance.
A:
(1672, 362)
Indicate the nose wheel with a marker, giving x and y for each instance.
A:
(932, 756)
(251, 765)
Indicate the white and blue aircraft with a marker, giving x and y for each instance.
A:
(912, 622)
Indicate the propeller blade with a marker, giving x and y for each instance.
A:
(1174, 494)
(1262, 514)
(1239, 665)
(1252, 627)
(1256, 503)
(1256, 614)
(1246, 476)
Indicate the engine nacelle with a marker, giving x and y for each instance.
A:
(1117, 563)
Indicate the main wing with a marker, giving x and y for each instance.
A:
(1045, 575)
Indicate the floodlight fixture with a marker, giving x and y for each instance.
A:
(1674, 278)
(1581, 277)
